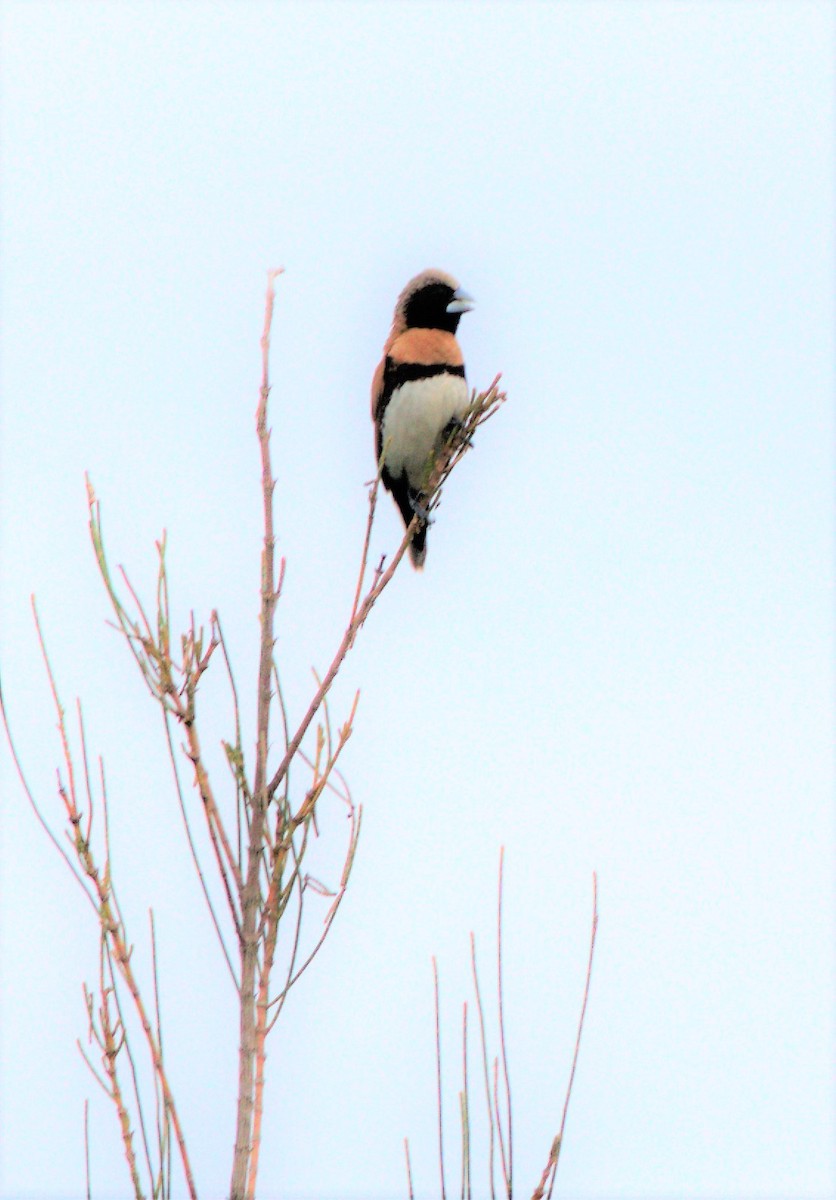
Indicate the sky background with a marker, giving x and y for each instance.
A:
(619, 657)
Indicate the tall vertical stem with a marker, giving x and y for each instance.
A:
(251, 897)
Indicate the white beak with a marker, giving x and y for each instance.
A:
(461, 302)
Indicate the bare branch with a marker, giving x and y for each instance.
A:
(482, 408)
(408, 1169)
(366, 541)
(484, 1044)
(332, 912)
(235, 754)
(224, 856)
(438, 1079)
(503, 1049)
(33, 804)
(465, 1112)
(87, 1149)
(193, 849)
(262, 867)
(558, 1141)
(162, 1116)
(243, 1173)
(113, 1036)
(548, 1172)
(499, 1132)
(114, 990)
(102, 896)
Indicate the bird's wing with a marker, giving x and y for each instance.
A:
(377, 388)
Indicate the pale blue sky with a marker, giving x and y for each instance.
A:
(619, 657)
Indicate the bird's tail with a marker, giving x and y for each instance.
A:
(418, 546)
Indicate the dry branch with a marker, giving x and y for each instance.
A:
(260, 866)
(498, 1129)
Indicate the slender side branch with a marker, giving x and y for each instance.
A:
(193, 850)
(30, 796)
(98, 886)
(113, 977)
(558, 1141)
(408, 1170)
(501, 1136)
(483, 407)
(465, 1113)
(87, 1149)
(503, 1049)
(484, 1045)
(438, 1079)
(224, 855)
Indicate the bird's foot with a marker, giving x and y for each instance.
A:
(453, 429)
(420, 511)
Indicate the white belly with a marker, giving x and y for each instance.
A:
(414, 418)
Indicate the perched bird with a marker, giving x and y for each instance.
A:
(419, 393)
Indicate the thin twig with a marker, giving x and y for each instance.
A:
(153, 654)
(503, 1049)
(224, 855)
(98, 888)
(438, 1079)
(113, 987)
(367, 540)
(465, 1106)
(161, 1110)
(296, 883)
(87, 1149)
(482, 407)
(122, 956)
(548, 1172)
(500, 1135)
(408, 1169)
(33, 804)
(332, 912)
(110, 920)
(90, 1067)
(355, 817)
(87, 787)
(485, 1067)
(113, 1040)
(558, 1142)
(277, 683)
(65, 747)
(161, 555)
(193, 849)
(305, 812)
(331, 674)
(236, 711)
(114, 978)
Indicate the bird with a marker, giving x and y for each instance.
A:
(419, 393)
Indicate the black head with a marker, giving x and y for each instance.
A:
(432, 300)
